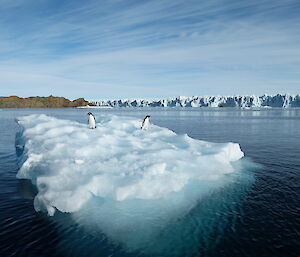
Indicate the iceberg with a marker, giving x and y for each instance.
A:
(122, 178)
(70, 163)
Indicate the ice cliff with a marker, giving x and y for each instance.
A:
(279, 100)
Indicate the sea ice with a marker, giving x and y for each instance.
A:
(117, 161)
(136, 186)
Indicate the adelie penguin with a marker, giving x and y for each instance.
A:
(91, 121)
(146, 122)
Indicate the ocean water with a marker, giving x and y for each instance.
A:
(257, 214)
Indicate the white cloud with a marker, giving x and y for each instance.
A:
(154, 48)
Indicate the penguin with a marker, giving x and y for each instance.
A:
(146, 122)
(91, 121)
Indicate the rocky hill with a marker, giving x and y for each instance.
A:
(40, 102)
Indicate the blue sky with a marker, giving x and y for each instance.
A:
(139, 48)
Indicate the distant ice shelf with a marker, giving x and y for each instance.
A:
(264, 101)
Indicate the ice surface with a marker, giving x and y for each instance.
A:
(70, 163)
(129, 183)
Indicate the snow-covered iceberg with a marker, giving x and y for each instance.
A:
(70, 163)
(128, 182)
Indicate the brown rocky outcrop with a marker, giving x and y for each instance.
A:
(40, 102)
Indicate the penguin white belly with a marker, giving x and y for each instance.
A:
(146, 124)
(92, 122)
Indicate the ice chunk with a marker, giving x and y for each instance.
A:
(117, 161)
(137, 186)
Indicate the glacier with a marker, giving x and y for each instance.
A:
(129, 183)
(264, 101)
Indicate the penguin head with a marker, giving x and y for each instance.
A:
(147, 116)
(89, 113)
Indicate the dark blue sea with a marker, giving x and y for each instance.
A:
(259, 215)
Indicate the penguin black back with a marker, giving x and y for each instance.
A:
(146, 122)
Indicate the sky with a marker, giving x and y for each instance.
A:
(108, 49)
